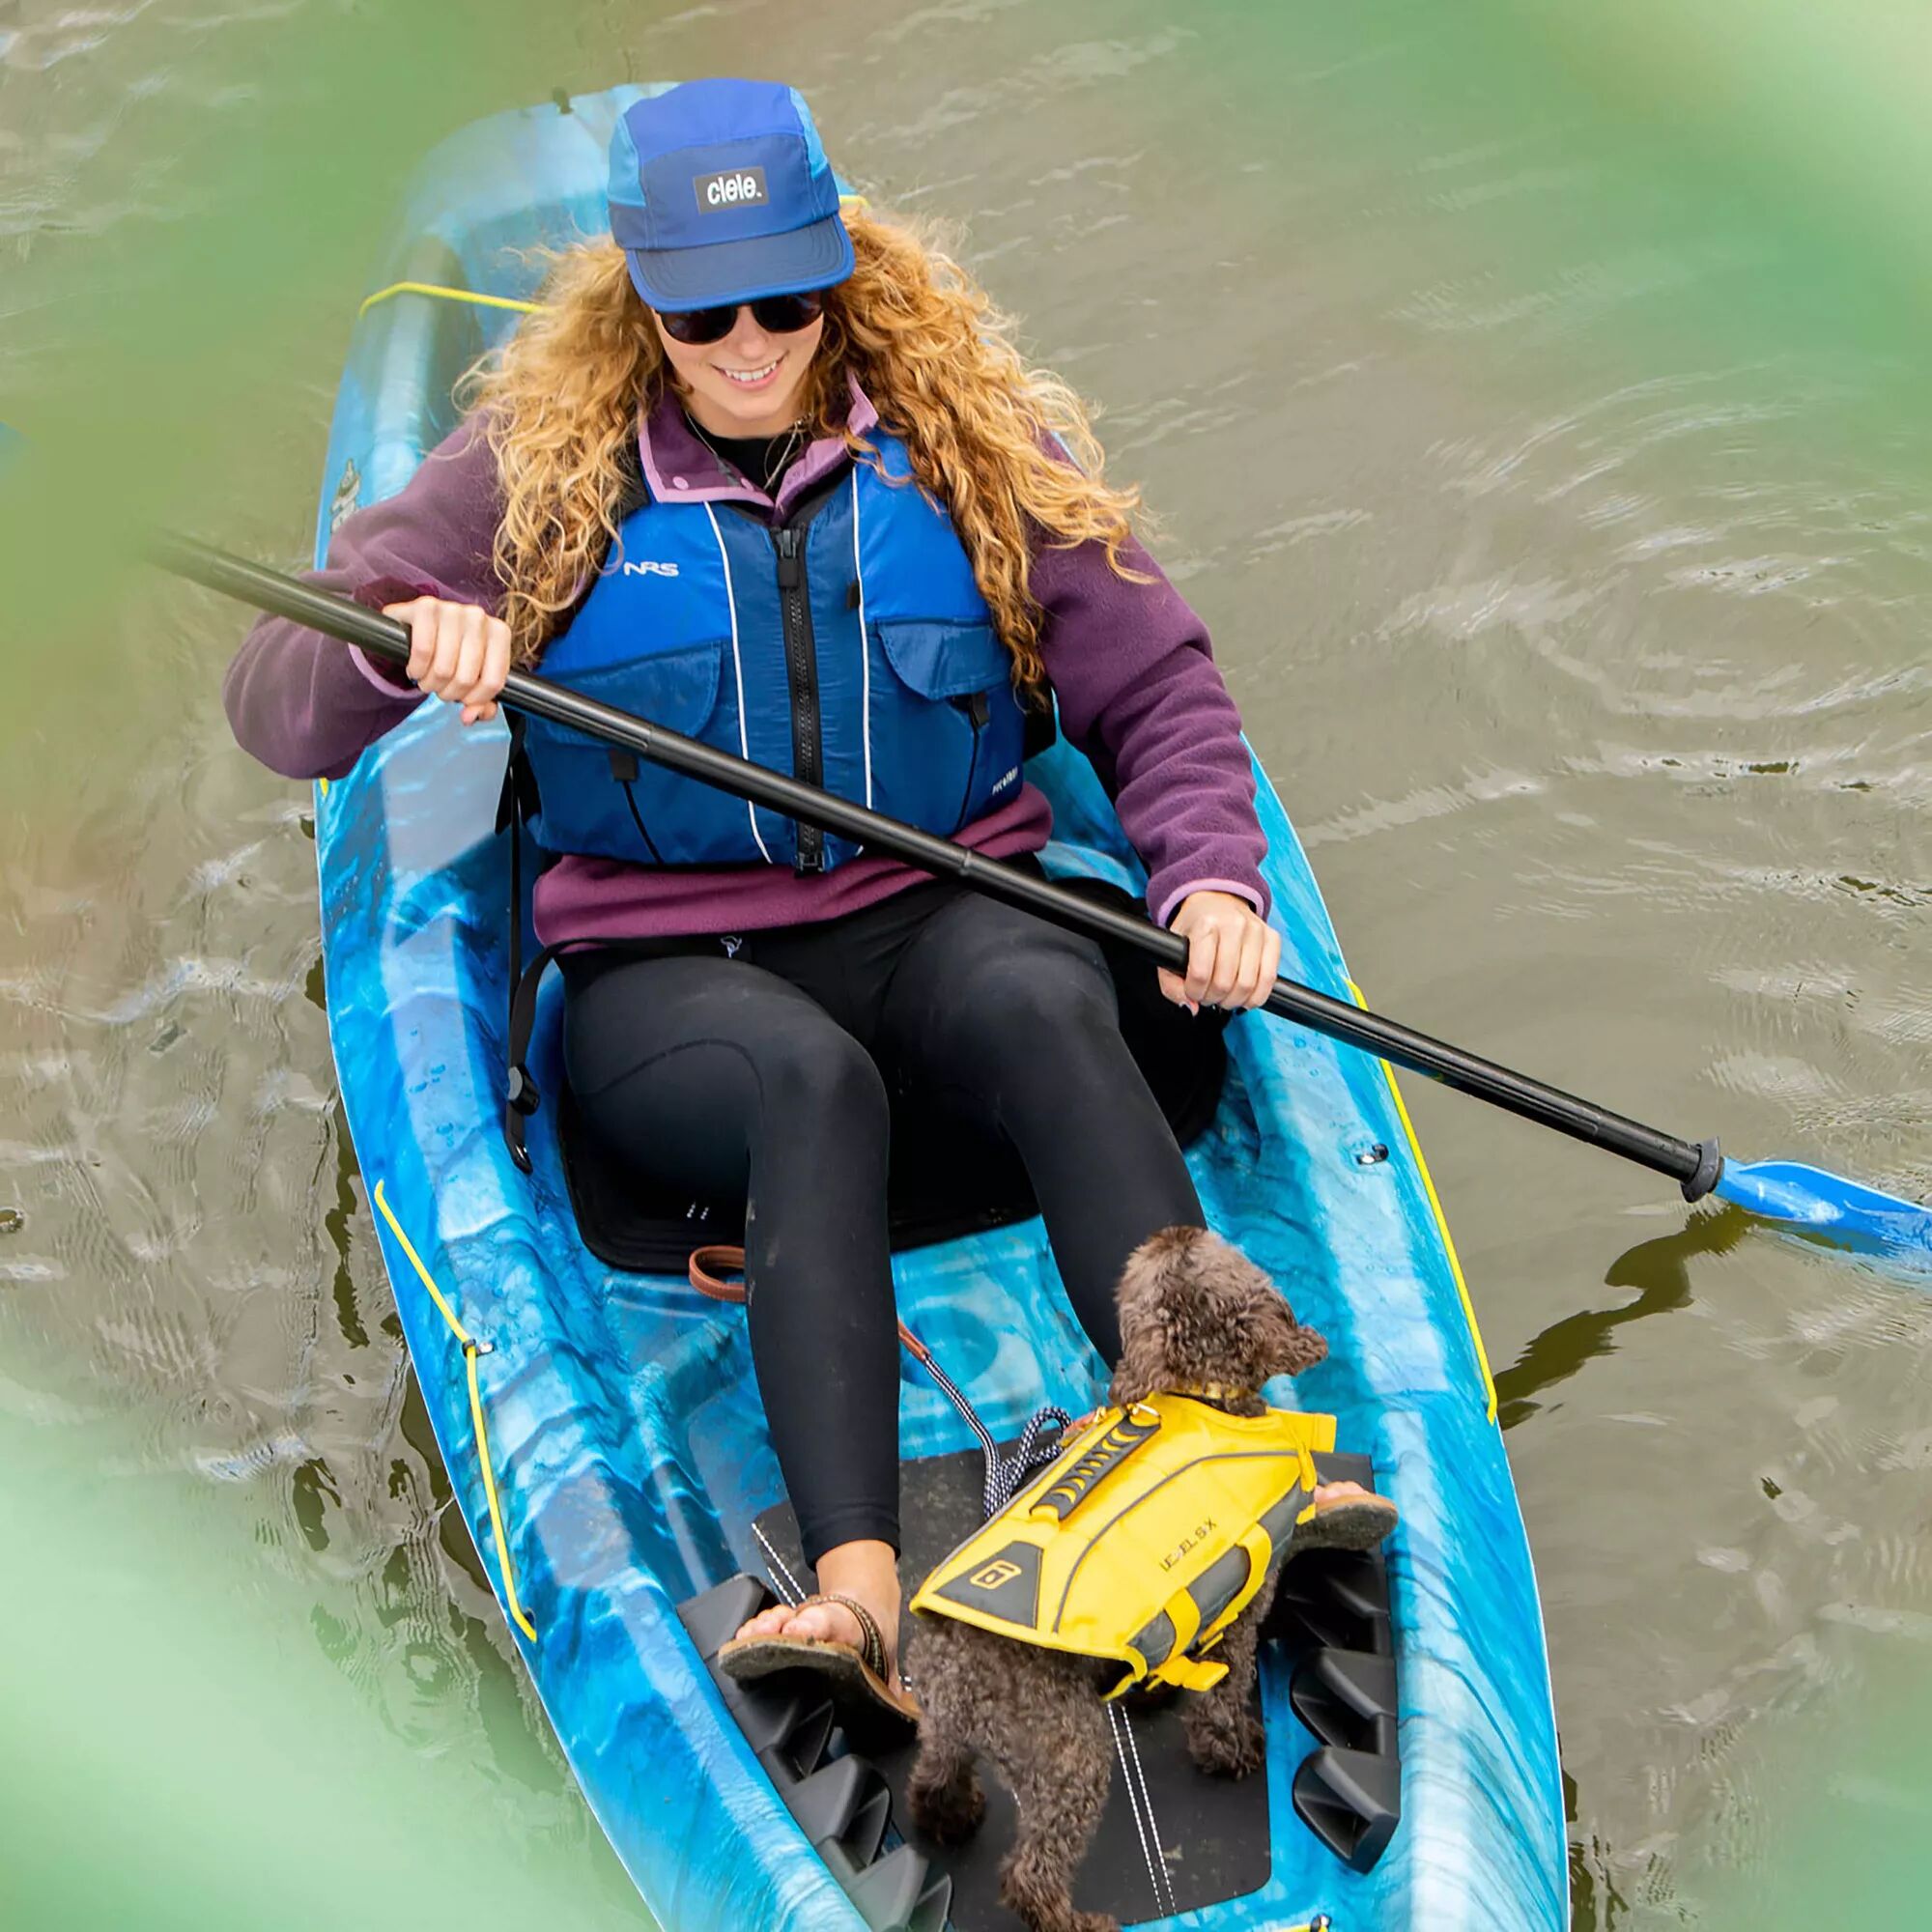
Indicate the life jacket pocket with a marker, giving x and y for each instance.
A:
(954, 681)
(676, 689)
(942, 659)
(604, 802)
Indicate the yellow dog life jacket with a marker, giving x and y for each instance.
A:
(1142, 1541)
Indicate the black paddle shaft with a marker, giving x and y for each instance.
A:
(1695, 1164)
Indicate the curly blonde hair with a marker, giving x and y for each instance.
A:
(560, 405)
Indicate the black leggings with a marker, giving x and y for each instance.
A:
(753, 1065)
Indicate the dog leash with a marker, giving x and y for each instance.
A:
(1006, 1475)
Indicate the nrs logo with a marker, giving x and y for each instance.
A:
(735, 188)
(645, 568)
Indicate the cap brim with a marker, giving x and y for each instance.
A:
(740, 272)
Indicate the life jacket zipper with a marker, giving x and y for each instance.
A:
(802, 678)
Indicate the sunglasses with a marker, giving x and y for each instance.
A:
(776, 315)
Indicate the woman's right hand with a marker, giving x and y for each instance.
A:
(458, 652)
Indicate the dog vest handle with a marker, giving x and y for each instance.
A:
(1085, 1472)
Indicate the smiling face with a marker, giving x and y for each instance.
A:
(749, 382)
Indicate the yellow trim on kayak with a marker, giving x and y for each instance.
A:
(446, 294)
(471, 1350)
(1441, 1222)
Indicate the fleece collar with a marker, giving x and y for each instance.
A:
(681, 468)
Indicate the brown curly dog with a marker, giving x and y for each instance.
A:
(1193, 1312)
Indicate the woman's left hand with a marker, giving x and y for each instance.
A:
(1232, 953)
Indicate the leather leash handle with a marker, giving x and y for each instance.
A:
(725, 1260)
(708, 1266)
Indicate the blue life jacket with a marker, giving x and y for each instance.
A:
(849, 647)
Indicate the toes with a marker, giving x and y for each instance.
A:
(821, 1623)
(767, 1623)
(1333, 1492)
(825, 1622)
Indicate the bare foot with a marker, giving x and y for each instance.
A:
(1326, 1494)
(866, 1572)
(1344, 1517)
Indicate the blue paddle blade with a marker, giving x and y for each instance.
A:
(1829, 1206)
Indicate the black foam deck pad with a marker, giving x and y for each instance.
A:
(1209, 1835)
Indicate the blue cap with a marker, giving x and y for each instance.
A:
(721, 192)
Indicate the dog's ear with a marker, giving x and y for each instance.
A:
(1274, 1341)
(1291, 1348)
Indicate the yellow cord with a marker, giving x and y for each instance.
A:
(471, 1350)
(444, 1308)
(446, 294)
(517, 1610)
(1441, 1224)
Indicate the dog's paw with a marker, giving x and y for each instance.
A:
(1226, 1744)
(1035, 1889)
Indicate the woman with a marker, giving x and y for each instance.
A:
(778, 478)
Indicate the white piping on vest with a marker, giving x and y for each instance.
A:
(864, 637)
(738, 671)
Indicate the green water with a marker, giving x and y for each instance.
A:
(1533, 401)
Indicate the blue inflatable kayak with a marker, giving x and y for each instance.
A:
(604, 1433)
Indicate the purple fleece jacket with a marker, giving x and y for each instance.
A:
(1129, 663)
